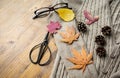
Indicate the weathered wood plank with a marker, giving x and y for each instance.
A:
(18, 34)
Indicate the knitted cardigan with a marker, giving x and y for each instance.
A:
(107, 67)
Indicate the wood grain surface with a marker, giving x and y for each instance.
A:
(18, 34)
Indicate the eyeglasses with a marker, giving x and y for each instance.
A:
(43, 50)
(45, 11)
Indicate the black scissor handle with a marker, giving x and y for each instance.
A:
(43, 48)
(49, 59)
(30, 54)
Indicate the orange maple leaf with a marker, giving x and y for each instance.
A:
(70, 35)
(81, 60)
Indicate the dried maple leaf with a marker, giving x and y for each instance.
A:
(70, 35)
(53, 26)
(81, 60)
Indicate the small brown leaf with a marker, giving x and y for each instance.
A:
(69, 36)
(81, 60)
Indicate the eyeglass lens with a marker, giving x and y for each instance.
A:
(42, 12)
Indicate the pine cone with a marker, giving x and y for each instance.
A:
(100, 40)
(82, 27)
(106, 31)
(101, 51)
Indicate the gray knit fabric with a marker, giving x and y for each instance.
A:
(112, 69)
(116, 75)
(109, 13)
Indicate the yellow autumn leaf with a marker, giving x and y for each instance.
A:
(81, 60)
(66, 14)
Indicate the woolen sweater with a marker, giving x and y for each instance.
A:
(109, 15)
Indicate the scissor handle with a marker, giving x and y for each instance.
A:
(43, 48)
(42, 55)
(31, 51)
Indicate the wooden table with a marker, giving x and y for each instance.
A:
(18, 34)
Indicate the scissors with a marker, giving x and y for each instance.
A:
(43, 47)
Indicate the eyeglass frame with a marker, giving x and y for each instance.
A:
(49, 10)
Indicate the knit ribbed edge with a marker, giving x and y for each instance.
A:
(113, 64)
(56, 63)
(116, 75)
(59, 70)
(115, 20)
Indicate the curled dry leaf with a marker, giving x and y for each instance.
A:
(70, 35)
(90, 18)
(81, 60)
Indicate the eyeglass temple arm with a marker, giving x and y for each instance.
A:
(61, 3)
(37, 15)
